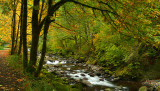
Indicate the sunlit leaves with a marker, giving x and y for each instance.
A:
(6, 26)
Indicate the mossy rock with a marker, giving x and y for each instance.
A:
(143, 88)
(108, 89)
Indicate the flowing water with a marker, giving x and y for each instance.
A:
(78, 72)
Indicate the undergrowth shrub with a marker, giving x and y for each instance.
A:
(111, 56)
(37, 85)
(15, 62)
(58, 83)
(46, 82)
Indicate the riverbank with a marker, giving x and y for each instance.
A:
(74, 75)
(94, 77)
(47, 81)
(61, 65)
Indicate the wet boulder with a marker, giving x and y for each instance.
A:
(46, 57)
(84, 65)
(76, 76)
(106, 76)
(101, 79)
(91, 74)
(68, 68)
(82, 74)
(73, 72)
(86, 82)
(86, 70)
(115, 79)
(78, 80)
(119, 88)
(80, 64)
(98, 73)
(95, 68)
(62, 72)
(85, 78)
(45, 61)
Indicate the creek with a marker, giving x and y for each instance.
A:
(91, 76)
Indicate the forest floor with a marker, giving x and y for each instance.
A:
(10, 79)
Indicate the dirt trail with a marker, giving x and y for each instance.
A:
(10, 79)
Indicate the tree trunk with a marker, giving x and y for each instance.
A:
(46, 27)
(36, 28)
(80, 44)
(20, 42)
(33, 54)
(13, 29)
(86, 33)
(76, 42)
(40, 16)
(16, 42)
(24, 34)
(35, 38)
(90, 34)
(50, 12)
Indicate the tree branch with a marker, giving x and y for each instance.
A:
(41, 23)
(40, 16)
(62, 26)
(95, 8)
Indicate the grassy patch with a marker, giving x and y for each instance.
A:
(15, 62)
(1, 47)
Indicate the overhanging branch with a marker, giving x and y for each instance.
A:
(95, 8)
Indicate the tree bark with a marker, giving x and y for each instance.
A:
(24, 34)
(18, 30)
(86, 33)
(76, 41)
(35, 38)
(40, 16)
(36, 28)
(46, 27)
(51, 10)
(13, 29)
(90, 34)
(20, 42)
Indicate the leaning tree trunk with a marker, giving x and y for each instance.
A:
(36, 28)
(20, 42)
(46, 27)
(16, 41)
(86, 33)
(50, 12)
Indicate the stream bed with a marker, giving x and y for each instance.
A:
(92, 77)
